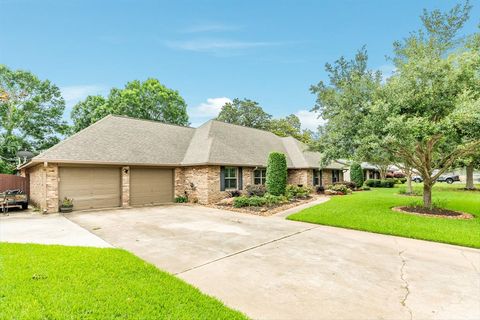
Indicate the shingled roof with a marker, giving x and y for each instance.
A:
(126, 141)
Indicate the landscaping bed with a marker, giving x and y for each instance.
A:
(267, 210)
(433, 212)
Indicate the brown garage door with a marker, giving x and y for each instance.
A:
(150, 186)
(90, 187)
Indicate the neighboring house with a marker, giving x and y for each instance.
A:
(121, 162)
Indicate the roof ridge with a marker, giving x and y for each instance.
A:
(147, 120)
(239, 125)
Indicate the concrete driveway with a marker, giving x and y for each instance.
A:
(271, 268)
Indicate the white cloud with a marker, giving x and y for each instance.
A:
(79, 92)
(207, 110)
(217, 45)
(309, 119)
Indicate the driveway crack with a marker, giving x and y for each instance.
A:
(247, 249)
(406, 287)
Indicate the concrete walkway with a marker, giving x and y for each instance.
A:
(286, 213)
(46, 229)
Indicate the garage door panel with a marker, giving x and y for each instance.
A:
(151, 186)
(90, 187)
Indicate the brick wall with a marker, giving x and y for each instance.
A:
(44, 187)
(300, 177)
(202, 183)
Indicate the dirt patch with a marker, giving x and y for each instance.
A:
(267, 211)
(435, 212)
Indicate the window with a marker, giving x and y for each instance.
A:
(317, 177)
(230, 178)
(335, 176)
(259, 176)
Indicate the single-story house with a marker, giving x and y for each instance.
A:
(122, 162)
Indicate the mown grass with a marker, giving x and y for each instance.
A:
(57, 282)
(371, 211)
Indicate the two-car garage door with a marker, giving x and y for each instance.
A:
(100, 187)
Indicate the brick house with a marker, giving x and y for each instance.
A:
(122, 162)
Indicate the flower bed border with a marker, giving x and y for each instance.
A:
(461, 216)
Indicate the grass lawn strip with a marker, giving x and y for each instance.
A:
(372, 211)
(57, 282)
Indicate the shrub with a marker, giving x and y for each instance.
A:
(276, 173)
(338, 188)
(402, 180)
(320, 189)
(387, 183)
(181, 199)
(365, 188)
(244, 201)
(294, 191)
(271, 200)
(234, 193)
(350, 184)
(377, 183)
(256, 190)
(356, 174)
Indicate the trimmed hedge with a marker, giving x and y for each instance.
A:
(276, 174)
(377, 183)
(356, 174)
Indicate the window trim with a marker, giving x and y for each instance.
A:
(317, 173)
(225, 178)
(263, 177)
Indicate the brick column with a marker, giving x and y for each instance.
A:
(50, 178)
(326, 177)
(126, 186)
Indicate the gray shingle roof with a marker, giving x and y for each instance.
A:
(123, 140)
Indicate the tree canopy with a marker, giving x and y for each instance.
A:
(148, 100)
(426, 115)
(246, 113)
(249, 113)
(31, 113)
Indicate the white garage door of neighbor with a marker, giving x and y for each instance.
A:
(150, 186)
(90, 187)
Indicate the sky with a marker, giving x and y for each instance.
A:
(210, 51)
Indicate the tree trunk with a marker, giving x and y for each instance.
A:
(409, 183)
(470, 185)
(427, 194)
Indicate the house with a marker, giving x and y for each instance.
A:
(122, 162)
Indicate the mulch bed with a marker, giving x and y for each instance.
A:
(266, 211)
(434, 212)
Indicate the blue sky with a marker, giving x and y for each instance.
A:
(210, 51)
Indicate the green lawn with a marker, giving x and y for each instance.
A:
(371, 211)
(57, 282)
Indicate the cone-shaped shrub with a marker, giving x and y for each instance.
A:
(356, 174)
(276, 173)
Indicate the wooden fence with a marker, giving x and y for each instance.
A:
(10, 181)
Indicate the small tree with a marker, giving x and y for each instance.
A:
(276, 173)
(356, 174)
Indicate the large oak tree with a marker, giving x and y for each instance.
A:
(31, 113)
(144, 100)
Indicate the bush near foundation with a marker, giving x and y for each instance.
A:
(276, 174)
